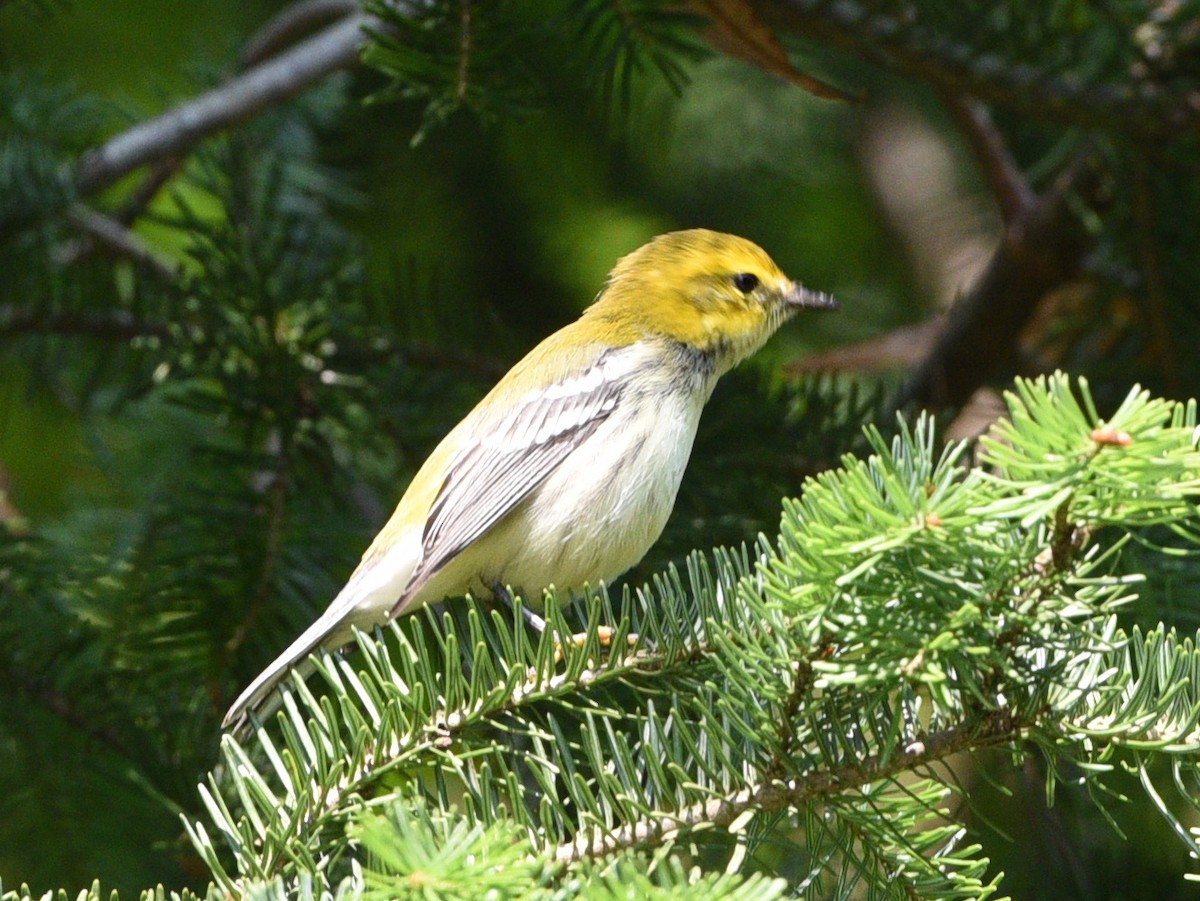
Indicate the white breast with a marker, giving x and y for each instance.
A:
(603, 508)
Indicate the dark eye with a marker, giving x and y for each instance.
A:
(745, 282)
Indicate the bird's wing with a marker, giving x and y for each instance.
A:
(490, 477)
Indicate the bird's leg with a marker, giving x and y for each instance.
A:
(604, 634)
(536, 622)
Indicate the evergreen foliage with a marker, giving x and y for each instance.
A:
(216, 379)
(799, 697)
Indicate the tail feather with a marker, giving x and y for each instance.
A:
(365, 602)
(295, 657)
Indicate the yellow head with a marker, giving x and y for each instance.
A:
(713, 292)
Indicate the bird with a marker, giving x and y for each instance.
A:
(565, 474)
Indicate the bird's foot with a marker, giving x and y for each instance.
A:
(605, 635)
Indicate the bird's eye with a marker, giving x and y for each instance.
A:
(745, 282)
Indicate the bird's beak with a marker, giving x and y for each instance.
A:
(806, 298)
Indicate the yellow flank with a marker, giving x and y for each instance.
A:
(566, 472)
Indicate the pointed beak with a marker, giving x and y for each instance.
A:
(808, 299)
(805, 298)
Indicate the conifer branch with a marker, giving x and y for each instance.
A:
(993, 728)
(1020, 643)
(1139, 107)
(177, 130)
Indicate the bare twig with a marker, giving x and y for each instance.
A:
(1009, 187)
(176, 130)
(116, 236)
(166, 137)
(896, 349)
(1041, 250)
(289, 25)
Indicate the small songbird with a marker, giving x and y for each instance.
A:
(565, 473)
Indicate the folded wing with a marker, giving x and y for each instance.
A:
(490, 477)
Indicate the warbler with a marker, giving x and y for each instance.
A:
(565, 473)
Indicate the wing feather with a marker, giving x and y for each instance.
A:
(490, 477)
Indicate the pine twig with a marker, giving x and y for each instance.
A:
(993, 728)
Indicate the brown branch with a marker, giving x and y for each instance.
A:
(1143, 108)
(1004, 177)
(1150, 263)
(735, 29)
(1041, 250)
(997, 727)
(1043, 247)
(177, 130)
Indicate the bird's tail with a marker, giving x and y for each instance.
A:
(364, 601)
(257, 696)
